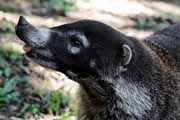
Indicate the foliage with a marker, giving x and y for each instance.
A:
(15, 89)
(7, 26)
(59, 5)
(54, 101)
(65, 116)
(152, 22)
(10, 76)
(12, 10)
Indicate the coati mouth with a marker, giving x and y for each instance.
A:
(37, 53)
(40, 55)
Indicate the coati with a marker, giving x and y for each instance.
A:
(121, 77)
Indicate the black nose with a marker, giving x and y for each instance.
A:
(22, 22)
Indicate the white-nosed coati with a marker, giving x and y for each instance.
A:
(121, 78)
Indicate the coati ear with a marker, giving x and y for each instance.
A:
(127, 53)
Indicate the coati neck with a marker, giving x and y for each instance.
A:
(123, 92)
(124, 99)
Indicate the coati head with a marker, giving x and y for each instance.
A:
(79, 50)
(102, 60)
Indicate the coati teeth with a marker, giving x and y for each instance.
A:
(34, 54)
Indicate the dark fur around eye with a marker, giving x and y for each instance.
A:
(75, 41)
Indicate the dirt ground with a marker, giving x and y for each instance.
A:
(120, 14)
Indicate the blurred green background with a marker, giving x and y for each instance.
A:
(31, 92)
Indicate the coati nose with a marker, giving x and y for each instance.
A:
(22, 28)
(22, 22)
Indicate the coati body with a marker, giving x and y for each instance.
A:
(120, 77)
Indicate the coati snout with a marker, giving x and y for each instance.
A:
(78, 49)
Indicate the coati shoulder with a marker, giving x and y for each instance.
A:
(166, 43)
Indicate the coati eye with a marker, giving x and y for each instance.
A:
(75, 42)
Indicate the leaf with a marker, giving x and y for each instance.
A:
(14, 56)
(35, 108)
(9, 86)
(23, 109)
(7, 71)
(65, 116)
(12, 96)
